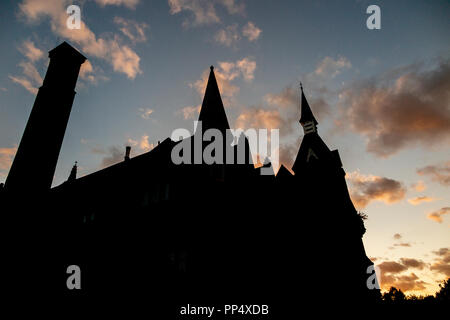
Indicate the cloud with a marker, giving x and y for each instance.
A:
(419, 186)
(88, 73)
(404, 108)
(31, 78)
(6, 159)
(190, 112)
(120, 56)
(133, 30)
(29, 70)
(247, 67)
(125, 60)
(86, 69)
(442, 262)
(132, 143)
(402, 244)
(288, 97)
(397, 236)
(392, 267)
(227, 36)
(114, 155)
(443, 252)
(29, 50)
(127, 3)
(330, 67)
(418, 200)
(25, 83)
(204, 11)
(367, 188)
(437, 215)
(233, 6)
(144, 144)
(145, 113)
(225, 73)
(408, 283)
(413, 263)
(391, 274)
(394, 273)
(438, 173)
(251, 32)
(288, 100)
(259, 118)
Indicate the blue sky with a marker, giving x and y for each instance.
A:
(381, 96)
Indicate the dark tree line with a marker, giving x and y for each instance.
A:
(396, 296)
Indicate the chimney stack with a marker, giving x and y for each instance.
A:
(35, 162)
(127, 153)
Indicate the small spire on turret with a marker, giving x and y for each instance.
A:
(307, 119)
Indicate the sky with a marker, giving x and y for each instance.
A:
(381, 97)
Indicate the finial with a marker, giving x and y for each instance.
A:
(76, 162)
(212, 68)
(301, 86)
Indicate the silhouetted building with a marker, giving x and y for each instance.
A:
(35, 161)
(203, 232)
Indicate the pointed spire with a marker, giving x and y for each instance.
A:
(73, 172)
(213, 113)
(307, 120)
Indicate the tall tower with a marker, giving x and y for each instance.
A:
(313, 147)
(327, 205)
(35, 161)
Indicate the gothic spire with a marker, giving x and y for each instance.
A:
(212, 113)
(307, 120)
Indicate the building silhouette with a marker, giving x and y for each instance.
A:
(212, 233)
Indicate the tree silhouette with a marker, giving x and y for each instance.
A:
(394, 295)
(443, 295)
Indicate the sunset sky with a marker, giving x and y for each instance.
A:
(381, 97)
